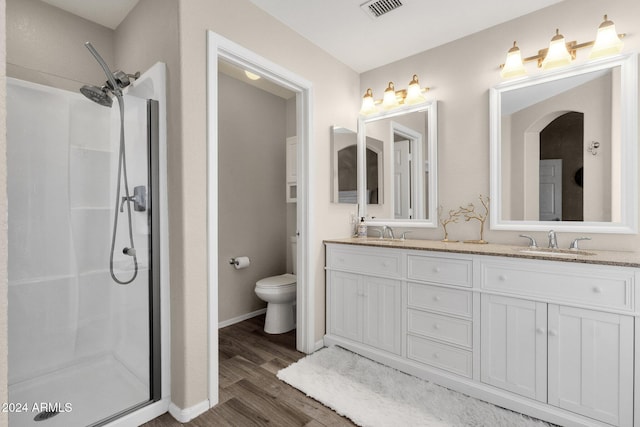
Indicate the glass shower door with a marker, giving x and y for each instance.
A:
(79, 343)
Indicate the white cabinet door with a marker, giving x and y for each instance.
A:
(591, 363)
(381, 312)
(345, 310)
(514, 345)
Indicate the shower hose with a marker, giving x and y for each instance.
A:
(122, 173)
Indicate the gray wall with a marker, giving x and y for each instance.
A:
(252, 209)
(46, 45)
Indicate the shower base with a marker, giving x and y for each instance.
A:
(95, 390)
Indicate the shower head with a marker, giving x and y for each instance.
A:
(97, 94)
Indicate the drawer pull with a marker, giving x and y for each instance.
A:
(540, 330)
(597, 290)
(553, 333)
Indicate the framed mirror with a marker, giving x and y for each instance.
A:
(397, 160)
(564, 149)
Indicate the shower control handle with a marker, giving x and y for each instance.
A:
(139, 199)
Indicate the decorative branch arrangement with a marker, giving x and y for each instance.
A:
(470, 213)
(453, 218)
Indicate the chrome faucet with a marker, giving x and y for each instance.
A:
(553, 241)
(386, 228)
(574, 244)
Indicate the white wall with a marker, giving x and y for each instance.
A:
(461, 73)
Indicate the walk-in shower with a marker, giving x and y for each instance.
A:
(84, 350)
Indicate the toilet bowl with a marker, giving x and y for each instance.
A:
(279, 292)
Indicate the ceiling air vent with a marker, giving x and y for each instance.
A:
(377, 8)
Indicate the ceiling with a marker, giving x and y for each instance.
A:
(107, 13)
(345, 31)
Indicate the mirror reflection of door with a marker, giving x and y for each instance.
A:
(348, 175)
(374, 159)
(402, 179)
(561, 157)
(550, 190)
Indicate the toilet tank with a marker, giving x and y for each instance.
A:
(294, 253)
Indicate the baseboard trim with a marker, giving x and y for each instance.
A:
(186, 415)
(242, 318)
(318, 345)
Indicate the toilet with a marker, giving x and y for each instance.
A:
(279, 292)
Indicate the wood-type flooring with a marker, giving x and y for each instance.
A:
(250, 393)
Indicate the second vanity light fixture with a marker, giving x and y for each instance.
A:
(561, 53)
(392, 98)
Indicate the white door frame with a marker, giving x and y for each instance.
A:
(219, 47)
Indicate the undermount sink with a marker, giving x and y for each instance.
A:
(555, 252)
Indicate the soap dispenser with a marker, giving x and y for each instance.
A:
(362, 228)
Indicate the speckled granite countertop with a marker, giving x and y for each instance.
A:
(588, 256)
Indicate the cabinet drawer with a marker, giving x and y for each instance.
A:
(443, 328)
(438, 298)
(593, 286)
(439, 355)
(370, 262)
(447, 271)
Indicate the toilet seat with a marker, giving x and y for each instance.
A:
(277, 281)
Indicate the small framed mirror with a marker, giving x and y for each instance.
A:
(564, 149)
(398, 153)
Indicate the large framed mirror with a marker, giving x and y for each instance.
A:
(564, 149)
(397, 164)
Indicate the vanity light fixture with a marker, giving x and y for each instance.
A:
(607, 41)
(557, 54)
(393, 98)
(513, 66)
(561, 53)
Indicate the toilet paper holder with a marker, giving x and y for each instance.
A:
(240, 262)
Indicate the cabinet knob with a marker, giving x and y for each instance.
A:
(340, 259)
(436, 356)
(436, 326)
(597, 289)
(502, 277)
(436, 298)
(540, 330)
(385, 264)
(436, 269)
(553, 332)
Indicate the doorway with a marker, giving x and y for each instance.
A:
(220, 48)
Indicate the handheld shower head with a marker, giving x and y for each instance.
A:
(110, 77)
(97, 94)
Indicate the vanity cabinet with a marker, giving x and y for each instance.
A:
(575, 359)
(362, 307)
(551, 339)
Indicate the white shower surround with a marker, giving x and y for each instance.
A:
(75, 324)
